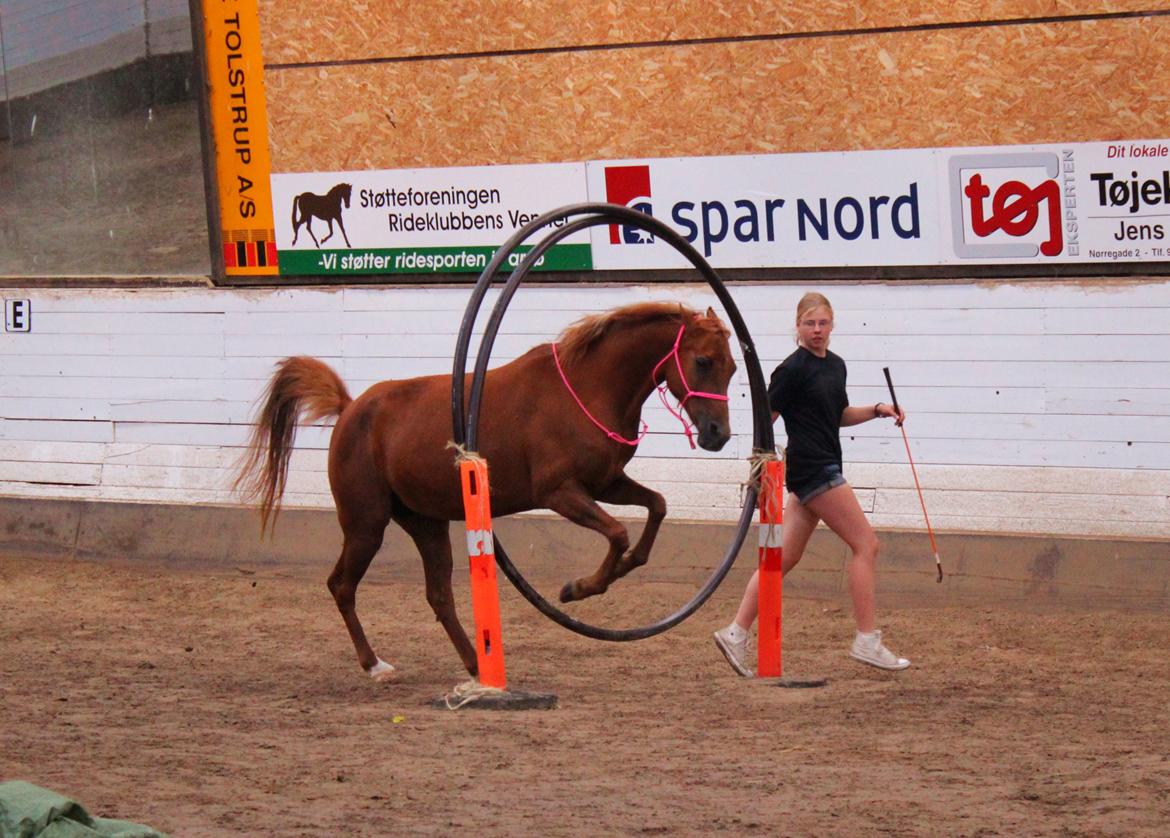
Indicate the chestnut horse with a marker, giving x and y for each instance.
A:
(389, 457)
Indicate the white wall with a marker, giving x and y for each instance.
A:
(1034, 407)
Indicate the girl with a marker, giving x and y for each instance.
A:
(808, 390)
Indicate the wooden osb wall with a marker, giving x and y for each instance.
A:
(382, 85)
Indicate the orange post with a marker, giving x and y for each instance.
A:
(485, 594)
(769, 664)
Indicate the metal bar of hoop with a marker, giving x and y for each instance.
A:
(465, 418)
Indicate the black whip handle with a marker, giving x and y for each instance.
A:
(890, 384)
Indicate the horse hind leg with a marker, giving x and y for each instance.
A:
(433, 539)
(362, 540)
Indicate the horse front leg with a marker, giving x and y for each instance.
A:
(573, 502)
(627, 492)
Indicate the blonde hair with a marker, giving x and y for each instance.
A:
(807, 303)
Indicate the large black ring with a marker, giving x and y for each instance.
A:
(465, 422)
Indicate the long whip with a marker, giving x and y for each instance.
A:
(914, 471)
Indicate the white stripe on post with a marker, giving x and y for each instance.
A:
(480, 543)
(771, 536)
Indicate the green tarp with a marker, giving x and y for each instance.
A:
(28, 811)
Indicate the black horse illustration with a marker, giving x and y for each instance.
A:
(327, 207)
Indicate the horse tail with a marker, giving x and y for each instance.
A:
(300, 385)
(296, 206)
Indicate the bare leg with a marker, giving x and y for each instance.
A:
(433, 539)
(573, 502)
(839, 509)
(630, 493)
(799, 524)
(749, 606)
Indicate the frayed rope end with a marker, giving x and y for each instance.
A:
(462, 455)
(758, 463)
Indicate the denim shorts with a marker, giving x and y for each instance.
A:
(827, 477)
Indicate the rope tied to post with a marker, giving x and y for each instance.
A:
(469, 692)
(761, 478)
(462, 455)
(480, 465)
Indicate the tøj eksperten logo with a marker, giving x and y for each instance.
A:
(628, 186)
(1006, 205)
(327, 207)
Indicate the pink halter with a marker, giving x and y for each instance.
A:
(673, 353)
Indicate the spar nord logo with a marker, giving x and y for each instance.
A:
(757, 215)
(1006, 205)
(629, 186)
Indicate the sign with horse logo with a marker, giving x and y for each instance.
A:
(421, 220)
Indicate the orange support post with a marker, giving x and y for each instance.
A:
(485, 594)
(769, 664)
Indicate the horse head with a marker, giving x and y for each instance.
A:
(345, 189)
(700, 375)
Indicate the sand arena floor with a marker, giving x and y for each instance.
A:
(227, 701)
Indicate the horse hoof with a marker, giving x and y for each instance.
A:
(567, 594)
(383, 672)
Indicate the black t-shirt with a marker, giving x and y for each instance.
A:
(809, 393)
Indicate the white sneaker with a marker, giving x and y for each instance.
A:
(869, 649)
(735, 652)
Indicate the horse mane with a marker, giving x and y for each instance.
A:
(578, 338)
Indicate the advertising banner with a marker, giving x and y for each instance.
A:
(1009, 205)
(1076, 202)
(410, 221)
(239, 124)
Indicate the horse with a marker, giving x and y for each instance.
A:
(327, 207)
(557, 426)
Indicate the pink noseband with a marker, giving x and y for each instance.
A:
(683, 378)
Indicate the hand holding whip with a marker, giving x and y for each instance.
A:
(914, 471)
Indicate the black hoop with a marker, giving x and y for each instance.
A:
(465, 422)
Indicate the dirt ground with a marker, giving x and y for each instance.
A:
(228, 701)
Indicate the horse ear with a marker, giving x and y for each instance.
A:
(710, 311)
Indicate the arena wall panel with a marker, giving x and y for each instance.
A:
(999, 85)
(1034, 408)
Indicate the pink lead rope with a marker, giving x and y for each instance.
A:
(661, 394)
